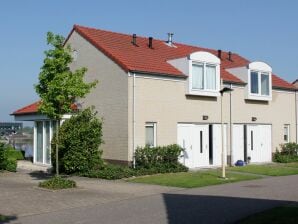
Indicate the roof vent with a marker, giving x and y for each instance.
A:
(134, 39)
(170, 39)
(230, 56)
(219, 53)
(150, 43)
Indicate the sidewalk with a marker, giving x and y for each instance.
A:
(21, 196)
(103, 201)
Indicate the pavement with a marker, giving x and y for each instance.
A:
(102, 201)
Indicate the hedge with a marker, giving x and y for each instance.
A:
(287, 154)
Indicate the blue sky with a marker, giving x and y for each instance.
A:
(259, 30)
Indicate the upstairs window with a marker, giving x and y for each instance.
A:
(259, 83)
(203, 76)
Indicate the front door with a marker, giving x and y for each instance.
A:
(259, 143)
(253, 147)
(194, 139)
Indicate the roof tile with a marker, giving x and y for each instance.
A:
(141, 58)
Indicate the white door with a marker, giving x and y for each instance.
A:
(185, 141)
(238, 143)
(195, 141)
(266, 144)
(259, 143)
(217, 148)
(200, 147)
(253, 146)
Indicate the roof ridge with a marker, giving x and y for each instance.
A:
(145, 37)
(129, 62)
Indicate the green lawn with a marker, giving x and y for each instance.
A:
(283, 214)
(295, 165)
(269, 169)
(192, 179)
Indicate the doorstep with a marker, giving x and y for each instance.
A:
(28, 166)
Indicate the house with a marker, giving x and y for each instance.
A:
(295, 83)
(156, 92)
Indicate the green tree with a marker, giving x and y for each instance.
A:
(79, 141)
(58, 86)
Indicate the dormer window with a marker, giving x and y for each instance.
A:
(259, 81)
(203, 70)
(204, 75)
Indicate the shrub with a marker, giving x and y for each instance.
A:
(79, 140)
(3, 157)
(290, 148)
(57, 182)
(12, 153)
(113, 172)
(8, 158)
(11, 165)
(148, 161)
(158, 157)
(110, 172)
(287, 154)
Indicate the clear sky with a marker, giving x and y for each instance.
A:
(258, 30)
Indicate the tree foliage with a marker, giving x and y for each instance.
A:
(79, 141)
(58, 86)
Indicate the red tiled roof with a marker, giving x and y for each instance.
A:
(30, 109)
(141, 58)
(280, 83)
(33, 109)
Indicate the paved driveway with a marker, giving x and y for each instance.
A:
(99, 201)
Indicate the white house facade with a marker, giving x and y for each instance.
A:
(154, 92)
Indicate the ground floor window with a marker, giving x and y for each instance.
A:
(150, 138)
(43, 132)
(287, 133)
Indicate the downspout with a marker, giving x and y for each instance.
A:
(134, 119)
(231, 137)
(296, 115)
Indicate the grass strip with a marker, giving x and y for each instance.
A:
(192, 179)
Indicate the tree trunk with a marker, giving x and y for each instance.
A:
(57, 148)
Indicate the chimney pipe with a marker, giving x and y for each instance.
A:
(219, 53)
(134, 39)
(150, 44)
(170, 38)
(230, 56)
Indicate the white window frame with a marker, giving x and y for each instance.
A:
(205, 64)
(151, 124)
(286, 126)
(260, 68)
(205, 59)
(260, 73)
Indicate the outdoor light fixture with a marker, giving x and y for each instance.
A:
(253, 118)
(222, 91)
(225, 89)
(205, 117)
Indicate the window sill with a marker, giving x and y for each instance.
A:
(203, 93)
(258, 97)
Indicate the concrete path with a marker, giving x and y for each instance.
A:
(99, 201)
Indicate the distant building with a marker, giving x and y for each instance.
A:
(10, 127)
